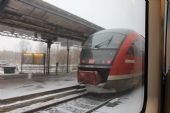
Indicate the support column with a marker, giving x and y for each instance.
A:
(48, 56)
(67, 57)
(21, 61)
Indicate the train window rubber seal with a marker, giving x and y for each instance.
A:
(146, 56)
(165, 70)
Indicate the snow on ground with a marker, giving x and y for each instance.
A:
(130, 103)
(23, 86)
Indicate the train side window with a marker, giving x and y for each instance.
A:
(137, 48)
(131, 50)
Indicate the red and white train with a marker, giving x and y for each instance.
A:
(112, 60)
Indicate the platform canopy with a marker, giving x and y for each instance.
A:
(38, 20)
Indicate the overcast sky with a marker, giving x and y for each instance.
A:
(105, 13)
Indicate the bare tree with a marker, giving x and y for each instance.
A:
(42, 47)
(75, 55)
(24, 46)
(11, 56)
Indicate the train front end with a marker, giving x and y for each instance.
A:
(96, 60)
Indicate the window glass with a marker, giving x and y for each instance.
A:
(92, 53)
(105, 40)
(95, 57)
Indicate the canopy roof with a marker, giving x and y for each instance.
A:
(41, 21)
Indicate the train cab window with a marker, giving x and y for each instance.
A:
(105, 40)
(137, 48)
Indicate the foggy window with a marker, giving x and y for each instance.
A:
(74, 56)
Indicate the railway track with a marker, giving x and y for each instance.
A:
(81, 102)
(85, 104)
(76, 103)
(73, 99)
(38, 100)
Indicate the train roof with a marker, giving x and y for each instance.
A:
(122, 31)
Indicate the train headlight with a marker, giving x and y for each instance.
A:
(108, 61)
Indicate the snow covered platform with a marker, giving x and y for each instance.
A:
(12, 86)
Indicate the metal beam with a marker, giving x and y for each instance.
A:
(40, 30)
(25, 23)
(17, 35)
(36, 21)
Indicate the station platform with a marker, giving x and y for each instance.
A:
(12, 86)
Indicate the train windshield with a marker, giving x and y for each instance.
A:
(105, 40)
(101, 48)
